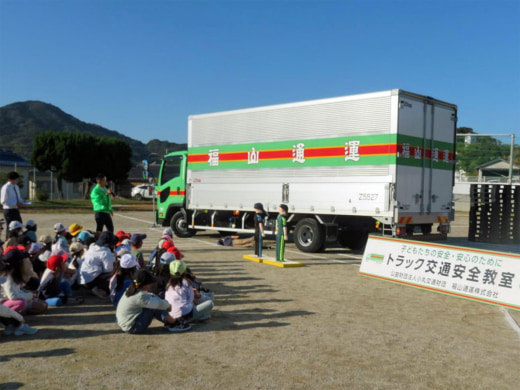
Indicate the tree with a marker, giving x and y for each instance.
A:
(478, 151)
(75, 156)
(48, 154)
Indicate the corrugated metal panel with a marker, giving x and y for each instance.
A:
(302, 121)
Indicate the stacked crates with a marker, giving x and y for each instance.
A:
(494, 215)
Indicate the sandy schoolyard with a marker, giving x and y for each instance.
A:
(321, 326)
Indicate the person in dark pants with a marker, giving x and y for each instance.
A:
(11, 200)
(102, 205)
(259, 227)
(281, 232)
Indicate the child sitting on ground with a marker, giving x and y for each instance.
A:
(12, 294)
(162, 273)
(122, 277)
(77, 251)
(60, 240)
(36, 249)
(181, 294)
(13, 321)
(138, 307)
(52, 286)
(30, 230)
(137, 243)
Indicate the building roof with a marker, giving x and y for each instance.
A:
(497, 165)
(8, 158)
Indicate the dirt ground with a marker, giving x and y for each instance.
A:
(321, 326)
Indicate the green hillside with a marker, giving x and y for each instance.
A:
(20, 122)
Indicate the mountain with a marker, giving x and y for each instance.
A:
(20, 122)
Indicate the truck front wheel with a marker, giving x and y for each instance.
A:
(179, 225)
(308, 235)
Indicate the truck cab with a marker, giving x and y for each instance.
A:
(171, 193)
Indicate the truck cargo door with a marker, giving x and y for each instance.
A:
(425, 158)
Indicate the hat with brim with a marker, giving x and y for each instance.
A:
(128, 261)
(46, 239)
(167, 258)
(23, 240)
(36, 247)
(75, 229)
(177, 267)
(122, 235)
(59, 227)
(13, 225)
(76, 247)
(167, 232)
(136, 238)
(84, 235)
(30, 223)
(55, 261)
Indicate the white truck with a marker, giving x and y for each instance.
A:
(345, 167)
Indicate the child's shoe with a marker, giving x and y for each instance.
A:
(99, 293)
(24, 329)
(9, 330)
(179, 327)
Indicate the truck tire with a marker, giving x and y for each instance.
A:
(353, 239)
(308, 235)
(179, 225)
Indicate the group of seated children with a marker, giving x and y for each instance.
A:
(36, 274)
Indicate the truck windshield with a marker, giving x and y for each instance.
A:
(171, 168)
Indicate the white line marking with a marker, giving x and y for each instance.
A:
(137, 219)
(511, 321)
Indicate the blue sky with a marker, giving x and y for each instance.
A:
(140, 67)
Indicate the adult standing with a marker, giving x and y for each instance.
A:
(11, 200)
(102, 204)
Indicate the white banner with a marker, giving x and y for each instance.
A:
(480, 275)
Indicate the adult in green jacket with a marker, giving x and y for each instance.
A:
(101, 198)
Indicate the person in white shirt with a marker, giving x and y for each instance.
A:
(98, 264)
(11, 200)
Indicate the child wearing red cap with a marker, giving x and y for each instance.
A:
(52, 286)
(122, 235)
(170, 247)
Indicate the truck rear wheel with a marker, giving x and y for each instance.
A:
(308, 235)
(179, 225)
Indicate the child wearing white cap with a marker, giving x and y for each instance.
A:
(15, 230)
(60, 241)
(122, 277)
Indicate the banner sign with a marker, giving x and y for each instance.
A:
(480, 275)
